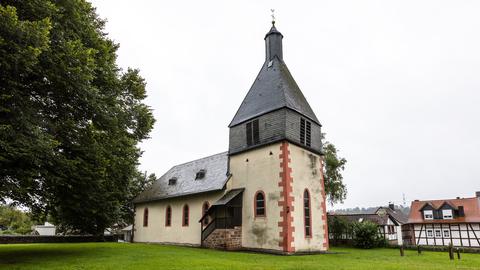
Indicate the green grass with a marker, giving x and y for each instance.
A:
(144, 256)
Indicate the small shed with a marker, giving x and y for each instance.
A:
(45, 229)
(127, 233)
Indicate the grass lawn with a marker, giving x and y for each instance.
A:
(145, 256)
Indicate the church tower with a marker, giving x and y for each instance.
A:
(275, 155)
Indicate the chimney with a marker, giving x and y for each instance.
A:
(391, 206)
(477, 194)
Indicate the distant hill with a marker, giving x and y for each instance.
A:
(369, 210)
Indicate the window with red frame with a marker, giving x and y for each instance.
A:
(185, 215)
(307, 214)
(204, 210)
(260, 204)
(168, 216)
(145, 217)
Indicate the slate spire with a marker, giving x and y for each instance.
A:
(273, 44)
(274, 88)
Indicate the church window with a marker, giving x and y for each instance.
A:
(168, 216)
(259, 204)
(172, 181)
(185, 219)
(204, 211)
(145, 217)
(200, 174)
(253, 133)
(305, 132)
(307, 214)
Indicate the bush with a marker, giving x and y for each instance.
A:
(366, 235)
(339, 228)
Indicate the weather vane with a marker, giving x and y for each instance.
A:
(273, 16)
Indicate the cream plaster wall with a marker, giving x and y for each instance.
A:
(306, 173)
(260, 172)
(157, 232)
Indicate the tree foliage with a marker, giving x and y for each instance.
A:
(70, 119)
(366, 235)
(14, 221)
(335, 189)
(339, 228)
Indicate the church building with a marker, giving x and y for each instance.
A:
(266, 193)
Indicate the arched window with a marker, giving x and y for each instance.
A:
(259, 204)
(185, 215)
(168, 216)
(307, 214)
(145, 217)
(205, 207)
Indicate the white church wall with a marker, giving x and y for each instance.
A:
(157, 232)
(307, 174)
(260, 172)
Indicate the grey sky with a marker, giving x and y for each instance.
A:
(395, 84)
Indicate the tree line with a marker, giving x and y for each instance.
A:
(71, 119)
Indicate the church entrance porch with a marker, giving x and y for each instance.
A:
(224, 230)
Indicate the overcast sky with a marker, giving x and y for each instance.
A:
(395, 84)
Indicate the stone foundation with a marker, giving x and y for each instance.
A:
(229, 239)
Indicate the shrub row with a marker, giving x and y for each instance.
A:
(20, 239)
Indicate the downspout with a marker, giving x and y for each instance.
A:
(133, 223)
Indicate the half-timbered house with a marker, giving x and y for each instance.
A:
(389, 221)
(444, 222)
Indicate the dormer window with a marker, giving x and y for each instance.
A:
(305, 132)
(253, 133)
(200, 174)
(172, 181)
(428, 214)
(447, 214)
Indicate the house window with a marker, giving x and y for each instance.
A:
(253, 134)
(427, 214)
(259, 204)
(204, 211)
(145, 217)
(446, 233)
(438, 233)
(391, 229)
(172, 181)
(429, 233)
(447, 214)
(168, 216)
(305, 132)
(307, 214)
(185, 215)
(200, 174)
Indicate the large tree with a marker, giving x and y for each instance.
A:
(335, 189)
(70, 119)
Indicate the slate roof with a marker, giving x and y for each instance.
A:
(380, 220)
(396, 214)
(215, 178)
(230, 195)
(274, 88)
(471, 208)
